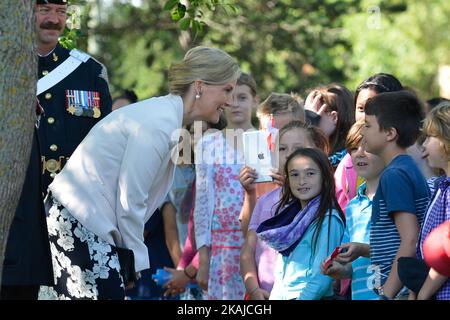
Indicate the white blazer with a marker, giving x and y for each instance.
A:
(122, 171)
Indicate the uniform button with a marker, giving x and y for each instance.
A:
(52, 175)
(45, 72)
(48, 96)
(51, 120)
(53, 147)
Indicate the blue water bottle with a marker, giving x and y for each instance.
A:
(162, 276)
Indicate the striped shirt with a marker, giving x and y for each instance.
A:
(438, 212)
(402, 188)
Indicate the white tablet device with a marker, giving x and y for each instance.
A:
(257, 154)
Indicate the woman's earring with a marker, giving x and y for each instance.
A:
(197, 96)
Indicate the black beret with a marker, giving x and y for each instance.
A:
(51, 1)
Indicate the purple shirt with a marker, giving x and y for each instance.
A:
(438, 212)
(265, 256)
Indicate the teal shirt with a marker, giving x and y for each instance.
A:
(358, 213)
(298, 275)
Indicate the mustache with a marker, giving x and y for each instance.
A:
(51, 26)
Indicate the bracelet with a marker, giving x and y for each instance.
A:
(253, 291)
(187, 274)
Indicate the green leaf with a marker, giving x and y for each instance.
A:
(198, 27)
(233, 8)
(195, 26)
(170, 4)
(179, 12)
(185, 23)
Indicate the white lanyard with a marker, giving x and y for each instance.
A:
(63, 70)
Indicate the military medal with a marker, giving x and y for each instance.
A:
(97, 113)
(78, 111)
(71, 109)
(83, 103)
(96, 104)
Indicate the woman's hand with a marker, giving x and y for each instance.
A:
(247, 178)
(177, 284)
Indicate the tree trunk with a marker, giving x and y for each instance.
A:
(18, 76)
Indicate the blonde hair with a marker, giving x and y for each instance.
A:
(437, 124)
(277, 103)
(354, 136)
(210, 65)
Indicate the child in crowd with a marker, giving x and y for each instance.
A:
(307, 226)
(392, 123)
(187, 267)
(282, 108)
(437, 152)
(219, 199)
(355, 262)
(334, 105)
(347, 181)
(179, 202)
(258, 259)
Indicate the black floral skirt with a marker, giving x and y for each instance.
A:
(84, 266)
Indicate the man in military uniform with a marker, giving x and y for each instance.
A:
(74, 99)
(72, 89)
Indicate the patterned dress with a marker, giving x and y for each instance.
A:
(85, 267)
(218, 202)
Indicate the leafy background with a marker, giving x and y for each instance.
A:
(287, 45)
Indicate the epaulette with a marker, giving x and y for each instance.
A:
(83, 56)
(104, 72)
(80, 55)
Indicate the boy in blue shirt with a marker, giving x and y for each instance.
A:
(392, 124)
(355, 262)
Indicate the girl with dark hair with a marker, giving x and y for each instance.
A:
(334, 104)
(307, 227)
(346, 179)
(378, 83)
(257, 259)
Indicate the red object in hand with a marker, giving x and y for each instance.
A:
(330, 259)
(436, 249)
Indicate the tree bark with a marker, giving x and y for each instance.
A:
(18, 76)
